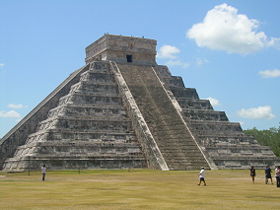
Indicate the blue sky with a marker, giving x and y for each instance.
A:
(227, 50)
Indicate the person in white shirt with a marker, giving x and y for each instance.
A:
(44, 171)
(202, 176)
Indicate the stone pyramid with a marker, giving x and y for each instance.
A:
(122, 110)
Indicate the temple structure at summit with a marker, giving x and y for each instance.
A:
(123, 110)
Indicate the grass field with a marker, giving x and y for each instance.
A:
(137, 189)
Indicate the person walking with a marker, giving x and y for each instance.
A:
(277, 176)
(253, 173)
(44, 171)
(267, 172)
(202, 176)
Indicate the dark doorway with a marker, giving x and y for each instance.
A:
(129, 58)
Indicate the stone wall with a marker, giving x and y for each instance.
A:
(115, 48)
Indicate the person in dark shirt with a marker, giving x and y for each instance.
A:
(268, 175)
(277, 176)
(252, 173)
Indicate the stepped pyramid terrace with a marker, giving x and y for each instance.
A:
(123, 110)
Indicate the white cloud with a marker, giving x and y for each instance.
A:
(16, 106)
(168, 51)
(270, 73)
(9, 114)
(2, 65)
(177, 63)
(200, 61)
(261, 112)
(224, 29)
(214, 101)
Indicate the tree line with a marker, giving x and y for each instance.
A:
(269, 137)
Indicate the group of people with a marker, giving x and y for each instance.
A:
(267, 172)
(268, 176)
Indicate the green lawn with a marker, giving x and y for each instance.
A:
(137, 189)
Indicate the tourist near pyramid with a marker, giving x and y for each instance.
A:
(123, 110)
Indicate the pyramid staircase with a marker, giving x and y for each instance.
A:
(88, 129)
(173, 139)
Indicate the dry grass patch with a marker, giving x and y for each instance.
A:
(136, 189)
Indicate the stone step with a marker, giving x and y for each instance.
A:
(162, 71)
(90, 98)
(215, 123)
(97, 106)
(93, 156)
(173, 137)
(224, 138)
(105, 71)
(62, 130)
(93, 99)
(246, 163)
(243, 147)
(173, 81)
(68, 143)
(97, 138)
(188, 159)
(85, 112)
(97, 76)
(99, 119)
(194, 104)
(99, 66)
(94, 94)
(78, 150)
(187, 162)
(204, 127)
(247, 158)
(94, 124)
(96, 88)
(175, 141)
(184, 92)
(207, 133)
(77, 163)
(172, 148)
(168, 122)
(180, 153)
(182, 167)
(227, 141)
(205, 115)
(218, 134)
(99, 83)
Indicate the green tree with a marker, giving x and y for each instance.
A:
(269, 137)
